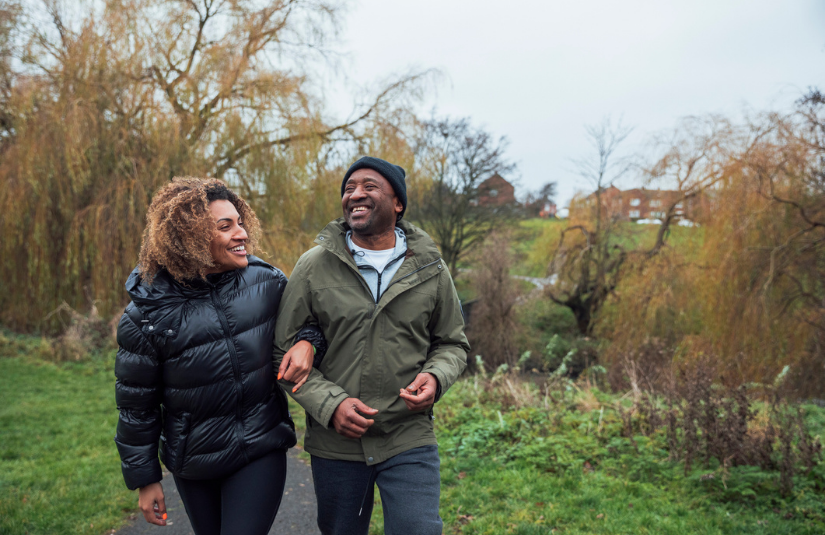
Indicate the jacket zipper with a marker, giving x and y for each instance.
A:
(236, 370)
(381, 274)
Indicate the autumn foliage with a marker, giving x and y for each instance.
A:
(744, 288)
(101, 104)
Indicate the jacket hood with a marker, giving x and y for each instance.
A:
(159, 301)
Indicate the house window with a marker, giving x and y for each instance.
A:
(655, 203)
(634, 214)
(635, 202)
(493, 193)
(658, 215)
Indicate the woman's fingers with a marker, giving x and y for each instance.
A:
(161, 509)
(152, 504)
(297, 363)
(296, 372)
(300, 383)
(284, 364)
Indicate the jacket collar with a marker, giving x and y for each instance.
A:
(421, 249)
(159, 302)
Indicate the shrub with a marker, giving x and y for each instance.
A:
(493, 328)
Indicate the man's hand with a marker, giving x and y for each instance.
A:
(152, 504)
(347, 418)
(420, 395)
(297, 364)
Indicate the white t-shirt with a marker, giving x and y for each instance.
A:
(377, 259)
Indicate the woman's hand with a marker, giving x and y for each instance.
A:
(152, 504)
(297, 364)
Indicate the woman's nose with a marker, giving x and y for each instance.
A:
(241, 234)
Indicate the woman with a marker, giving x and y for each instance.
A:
(194, 369)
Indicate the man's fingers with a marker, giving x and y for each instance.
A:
(351, 430)
(361, 407)
(413, 406)
(408, 395)
(422, 395)
(357, 420)
(416, 384)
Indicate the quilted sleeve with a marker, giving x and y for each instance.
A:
(138, 393)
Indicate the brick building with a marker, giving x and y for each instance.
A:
(641, 203)
(495, 191)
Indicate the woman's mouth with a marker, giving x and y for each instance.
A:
(238, 250)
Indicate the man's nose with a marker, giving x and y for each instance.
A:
(358, 193)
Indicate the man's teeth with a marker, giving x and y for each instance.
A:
(238, 248)
(359, 209)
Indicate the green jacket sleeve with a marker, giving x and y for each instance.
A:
(447, 357)
(318, 396)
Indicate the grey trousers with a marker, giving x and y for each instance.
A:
(409, 483)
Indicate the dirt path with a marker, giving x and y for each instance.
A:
(296, 515)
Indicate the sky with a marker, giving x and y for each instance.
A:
(537, 71)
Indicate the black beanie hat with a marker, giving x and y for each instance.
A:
(393, 173)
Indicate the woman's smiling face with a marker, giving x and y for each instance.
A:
(228, 247)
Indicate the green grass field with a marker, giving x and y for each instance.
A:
(566, 469)
(59, 468)
(560, 469)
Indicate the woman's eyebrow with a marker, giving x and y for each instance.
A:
(225, 219)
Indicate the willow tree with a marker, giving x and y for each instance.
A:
(103, 103)
(597, 248)
(746, 288)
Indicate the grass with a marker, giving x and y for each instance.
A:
(535, 241)
(567, 469)
(59, 468)
(507, 467)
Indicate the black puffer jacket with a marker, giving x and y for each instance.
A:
(194, 372)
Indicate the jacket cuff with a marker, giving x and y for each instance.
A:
(329, 405)
(439, 379)
(140, 465)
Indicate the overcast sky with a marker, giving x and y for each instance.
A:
(538, 71)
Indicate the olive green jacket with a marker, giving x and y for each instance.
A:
(375, 349)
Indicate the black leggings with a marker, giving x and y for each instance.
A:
(244, 502)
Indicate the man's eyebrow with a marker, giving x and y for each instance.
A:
(366, 179)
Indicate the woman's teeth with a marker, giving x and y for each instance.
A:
(238, 249)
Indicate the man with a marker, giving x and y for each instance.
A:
(386, 303)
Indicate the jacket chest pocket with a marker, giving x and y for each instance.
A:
(341, 307)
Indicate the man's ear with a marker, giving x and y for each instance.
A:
(398, 206)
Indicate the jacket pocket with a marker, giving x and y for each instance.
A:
(180, 451)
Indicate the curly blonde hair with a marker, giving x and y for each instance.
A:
(179, 228)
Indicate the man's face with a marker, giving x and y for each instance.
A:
(370, 204)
